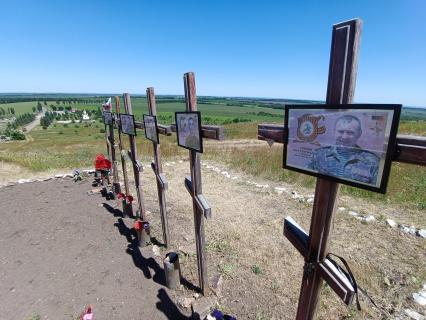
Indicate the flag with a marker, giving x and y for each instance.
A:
(107, 105)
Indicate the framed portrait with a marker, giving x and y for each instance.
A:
(188, 130)
(150, 124)
(127, 123)
(107, 117)
(352, 144)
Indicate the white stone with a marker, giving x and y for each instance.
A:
(279, 190)
(186, 302)
(20, 181)
(392, 223)
(234, 178)
(225, 173)
(406, 229)
(420, 298)
(341, 208)
(156, 250)
(310, 200)
(422, 233)
(369, 218)
(209, 167)
(414, 315)
(353, 213)
(180, 161)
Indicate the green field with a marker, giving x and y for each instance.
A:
(75, 146)
(20, 107)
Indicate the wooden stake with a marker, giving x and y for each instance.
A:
(136, 166)
(112, 146)
(341, 88)
(158, 170)
(196, 190)
(127, 208)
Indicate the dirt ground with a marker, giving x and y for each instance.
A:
(78, 250)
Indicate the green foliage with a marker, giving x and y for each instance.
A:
(47, 119)
(16, 135)
(256, 269)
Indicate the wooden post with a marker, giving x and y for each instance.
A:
(158, 170)
(127, 208)
(111, 142)
(313, 247)
(136, 166)
(194, 186)
(340, 90)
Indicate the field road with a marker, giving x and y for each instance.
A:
(36, 121)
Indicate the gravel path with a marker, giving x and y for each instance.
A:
(61, 250)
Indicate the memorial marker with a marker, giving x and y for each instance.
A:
(314, 247)
(187, 135)
(151, 132)
(127, 206)
(128, 126)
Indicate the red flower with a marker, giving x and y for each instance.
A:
(121, 195)
(138, 225)
(129, 199)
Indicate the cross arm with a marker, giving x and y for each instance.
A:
(160, 177)
(335, 279)
(410, 149)
(208, 131)
(161, 128)
(200, 200)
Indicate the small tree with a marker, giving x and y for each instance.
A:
(34, 109)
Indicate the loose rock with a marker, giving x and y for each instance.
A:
(392, 223)
(414, 315)
(421, 233)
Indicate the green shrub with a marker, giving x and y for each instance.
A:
(17, 135)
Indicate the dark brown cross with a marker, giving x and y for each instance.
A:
(158, 168)
(109, 131)
(193, 184)
(314, 247)
(127, 207)
(137, 167)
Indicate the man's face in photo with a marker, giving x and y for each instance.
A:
(347, 132)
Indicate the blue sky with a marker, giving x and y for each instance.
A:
(236, 48)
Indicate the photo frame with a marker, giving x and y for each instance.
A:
(127, 124)
(351, 144)
(150, 125)
(188, 130)
(107, 118)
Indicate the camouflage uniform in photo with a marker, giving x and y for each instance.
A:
(348, 163)
(192, 141)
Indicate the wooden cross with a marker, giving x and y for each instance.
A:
(111, 154)
(314, 247)
(193, 184)
(137, 166)
(127, 207)
(158, 170)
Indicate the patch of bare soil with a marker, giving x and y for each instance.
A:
(61, 250)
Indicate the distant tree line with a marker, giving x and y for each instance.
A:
(4, 112)
(47, 119)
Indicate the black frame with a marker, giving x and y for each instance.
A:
(112, 119)
(198, 113)
(134, 125)
(396, 108)
(156, 128)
